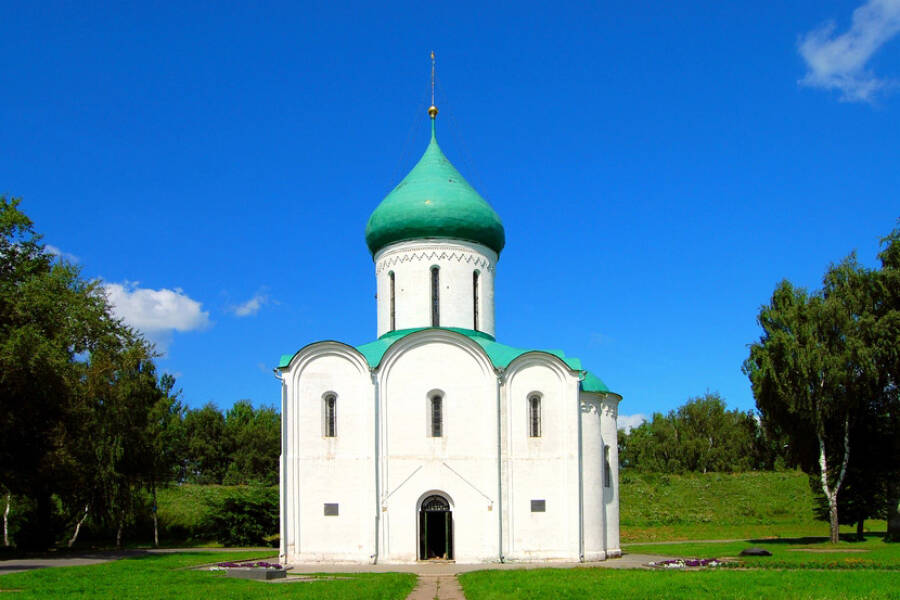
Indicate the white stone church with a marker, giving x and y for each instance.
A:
(436, 441)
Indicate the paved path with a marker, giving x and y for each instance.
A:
(442, 587)
(18, 565)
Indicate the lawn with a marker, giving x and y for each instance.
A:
(170, 576)
(566, 584)
(809, 553)
(868, 569)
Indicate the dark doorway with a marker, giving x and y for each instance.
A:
(435, 529)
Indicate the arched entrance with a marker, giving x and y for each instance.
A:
(435, 529)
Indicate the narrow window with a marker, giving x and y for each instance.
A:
(331, 510)
(607, 477)
(437, 415)
(534, 415)
(475, 299)
(435, 297)
(393, 303)
(330, 415)
(538, 506)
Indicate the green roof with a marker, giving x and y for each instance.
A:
(434, 201)
(499, 354)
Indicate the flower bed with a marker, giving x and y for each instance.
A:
(252, 570)
(682, 563)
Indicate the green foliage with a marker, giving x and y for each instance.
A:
(826, 379)
(239, 447)
(244, 518)
(700, 436)
(255, 440)
(171, 577)
(207, 454)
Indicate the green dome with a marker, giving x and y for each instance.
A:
(434, 201)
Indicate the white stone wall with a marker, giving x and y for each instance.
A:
(608, 424)
(318, 469)
(593, 465)
(461, 465)
(541, 468)
(411, 264)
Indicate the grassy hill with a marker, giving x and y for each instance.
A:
(696, 506)
(183, 510)
(654, 507)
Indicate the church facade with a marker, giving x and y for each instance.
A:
(436, 441)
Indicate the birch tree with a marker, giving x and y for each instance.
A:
(803, 372)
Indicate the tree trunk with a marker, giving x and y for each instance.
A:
(6, 520)
(860, 526)
(155, 521)
(78, 525)
(119, 532)
(832, 494)
(893, 526)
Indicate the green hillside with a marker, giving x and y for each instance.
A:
(696, 506)
(654, 507)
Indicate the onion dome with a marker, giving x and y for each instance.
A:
(434, 201)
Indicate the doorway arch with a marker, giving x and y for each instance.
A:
(435, 528)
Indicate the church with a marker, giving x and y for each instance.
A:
(435, 441)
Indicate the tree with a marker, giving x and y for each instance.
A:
(883, 332)
(165, 440)
(254, 438)
(207, 447)
(49, 318)
(810, 372)
(78, 391)
(699, 436)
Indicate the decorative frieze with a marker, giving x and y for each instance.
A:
(437, 253)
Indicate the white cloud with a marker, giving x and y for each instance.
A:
(156, 313)
(839, 61)
(57, 252)
(251, 306)
(629, 422)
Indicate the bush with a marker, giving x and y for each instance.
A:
(244, 518)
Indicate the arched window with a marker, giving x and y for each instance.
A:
(435, 297)
(393, 302)
(607, 476)
(534, 415)
(436, 414)
(475, 299)
(329, 415)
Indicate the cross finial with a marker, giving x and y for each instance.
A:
(432, 110)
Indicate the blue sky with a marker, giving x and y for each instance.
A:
(659, 167)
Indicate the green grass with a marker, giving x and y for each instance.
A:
(749, 506)
(873, 553)
(695, 506)
(169, 577)
(566, 584)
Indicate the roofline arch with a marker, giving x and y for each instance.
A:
(433, 334)
(540, 358)
(324, 348)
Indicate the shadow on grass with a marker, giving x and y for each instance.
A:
(844, 537)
